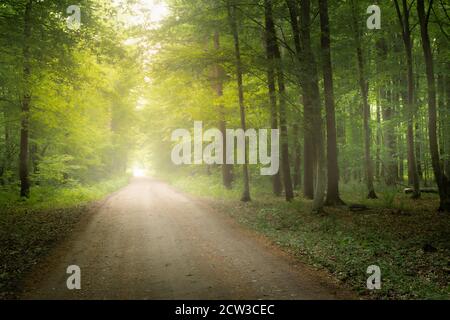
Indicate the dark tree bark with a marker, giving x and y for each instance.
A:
(364, 86)
(308, 145)
(418, 131)
(26, 101)
(333, 197)
(227, 177)
(237, 51)
(406, 35)
(275, 53)
(442, 180)
(418, 151)
(285, 164)
(297, 178)
(276, 179)
(310, 84)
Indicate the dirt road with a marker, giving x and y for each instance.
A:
(149, 241)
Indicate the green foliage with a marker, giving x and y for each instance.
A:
(57, 197)
(387, 195)
(84, 87)
(54, 169)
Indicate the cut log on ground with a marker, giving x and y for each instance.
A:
(422, 190)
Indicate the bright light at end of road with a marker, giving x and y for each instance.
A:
(149, 12)
(138, 172)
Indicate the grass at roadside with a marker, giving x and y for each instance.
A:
(29, 229)
(407, 239)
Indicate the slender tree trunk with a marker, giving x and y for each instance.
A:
(26, 101)
(237, 50)
(378, 140)
(390, 166)
(277, 188)
(442, 181)
(418, 152)
(285, 164)
(227, 177)
(363, 83)
(406, 35)
(297, 158)
(401, 159)
(276, 179)
(310, 83)
(418, 131)
(275, 53)
(333, 197)
(390, 141)
(308, 132)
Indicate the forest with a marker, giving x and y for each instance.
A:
(91, 92)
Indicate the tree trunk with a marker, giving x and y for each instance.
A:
(390, 166)
(418, 132)
(442, 181)
(285, 164)
(297, 158)
(390, 140)
(378, 140)
(310, 84)
(277, 187)
(333, 197)
(26, 101)
(406, 35)
(308, 145)
(237, 50)
(275, 53)
(227, 177)
(363, 83)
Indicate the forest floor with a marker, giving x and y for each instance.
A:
(406, 238)
(148, 241)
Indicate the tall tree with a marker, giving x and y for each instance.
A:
(333, 197)
(231, 7)
(275, 53)
(297, 161)
(407, 41)
(442, 180)
(308, 134)
(310, 84)
(227, 177)
(364, 87)
(271, 83)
